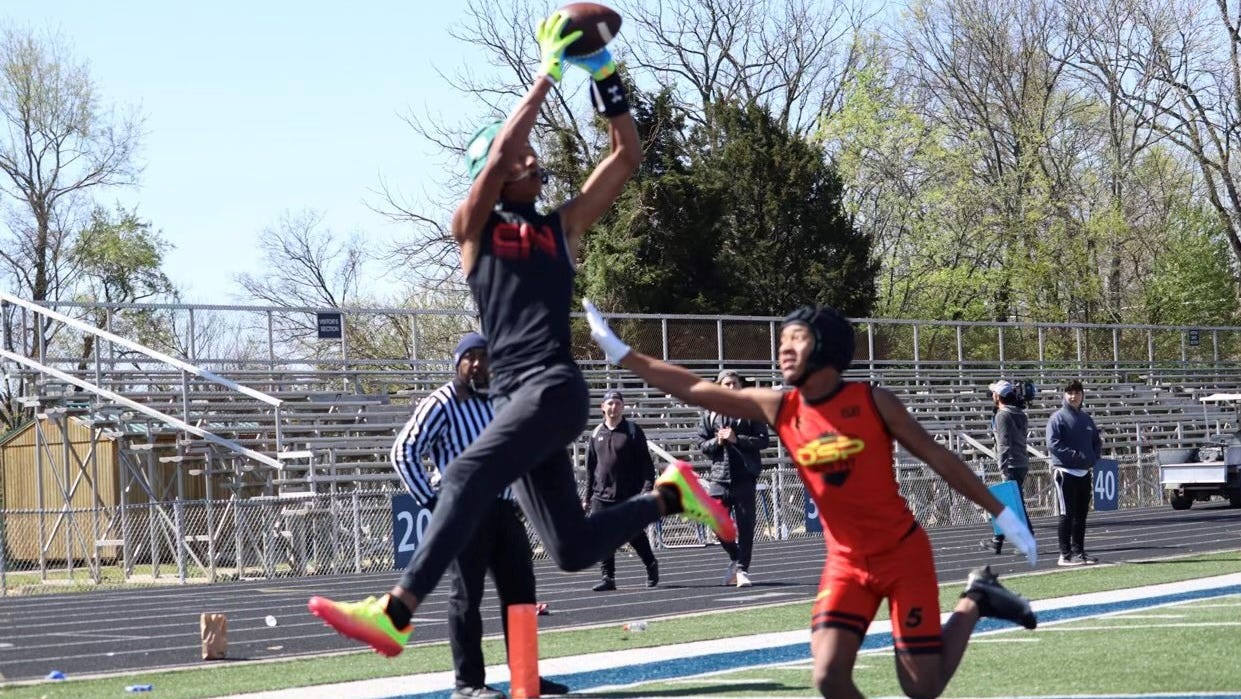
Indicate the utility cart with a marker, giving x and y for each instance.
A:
(1200, 473)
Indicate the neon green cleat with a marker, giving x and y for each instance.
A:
(695, 503)
(366, 621)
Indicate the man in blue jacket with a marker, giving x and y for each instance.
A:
(1074, 444)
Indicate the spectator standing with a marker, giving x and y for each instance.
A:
(1011, 426)
(1074, 445)
(618, 467)
(735, 447)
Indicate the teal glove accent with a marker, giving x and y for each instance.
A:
(599, 64)
(552, 44)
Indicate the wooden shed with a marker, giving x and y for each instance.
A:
(39, 476)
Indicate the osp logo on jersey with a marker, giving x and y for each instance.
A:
(831, 455)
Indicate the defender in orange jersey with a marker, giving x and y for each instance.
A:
(840, 435)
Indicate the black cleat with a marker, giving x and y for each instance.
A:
(992, 545)
(605, 585)
(997, 602)
(551, 687)
(652, 574)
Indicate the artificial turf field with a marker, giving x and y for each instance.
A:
(1168, 645)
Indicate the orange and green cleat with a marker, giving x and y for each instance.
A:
(695, 503)
(365, 621)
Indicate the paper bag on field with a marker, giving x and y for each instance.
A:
(215, 636)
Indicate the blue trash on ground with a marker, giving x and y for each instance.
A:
(140, 688)
(56, 675)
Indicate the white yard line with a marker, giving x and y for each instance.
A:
(1116, 627)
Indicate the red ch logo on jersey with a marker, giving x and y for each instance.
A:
(513, 241)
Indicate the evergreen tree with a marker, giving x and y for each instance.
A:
(733, 216)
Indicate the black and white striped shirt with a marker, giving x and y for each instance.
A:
(441, 428)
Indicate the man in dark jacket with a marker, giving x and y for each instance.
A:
(1011, 425)
(1074, 445)
(619, 466)
(735, 449)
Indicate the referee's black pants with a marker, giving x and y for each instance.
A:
(526, 445)
(500, 545)
(1072, 502)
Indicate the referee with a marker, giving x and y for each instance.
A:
(443, 425)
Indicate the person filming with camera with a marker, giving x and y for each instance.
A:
(1011, 426)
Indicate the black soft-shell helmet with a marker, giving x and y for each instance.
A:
(833, 339)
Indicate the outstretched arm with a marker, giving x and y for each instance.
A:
(911, 435)
(752, 403)
(949, 466)
(471, 215)
(604, 184)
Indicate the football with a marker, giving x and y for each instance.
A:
(599, 24)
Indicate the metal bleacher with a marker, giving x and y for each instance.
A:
(330, 430)
(283, 464)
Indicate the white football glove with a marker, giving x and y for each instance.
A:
(612, 347)
(1016, 531)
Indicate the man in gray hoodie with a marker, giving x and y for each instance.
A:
(1011, 425)
(1074, 445)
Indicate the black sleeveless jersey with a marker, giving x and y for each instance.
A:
(522, 283)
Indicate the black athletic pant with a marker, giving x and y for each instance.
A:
(500, 545)
(640, 544)
(1072, 502)
(1018, 476)
(525, 445)
(739, 497)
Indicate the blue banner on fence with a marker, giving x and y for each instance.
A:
(409, 523)
(1106, 484)
(812, 515)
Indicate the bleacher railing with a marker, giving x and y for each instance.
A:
(39, 325)
(272, 337)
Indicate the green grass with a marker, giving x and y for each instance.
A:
(58, 580)
(1126, 654)
(232, 678)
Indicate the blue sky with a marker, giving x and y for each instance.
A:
(256, 108)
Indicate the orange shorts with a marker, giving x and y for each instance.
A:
(851, 589)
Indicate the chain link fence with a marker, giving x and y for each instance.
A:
(203, 541)
(403, 353)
